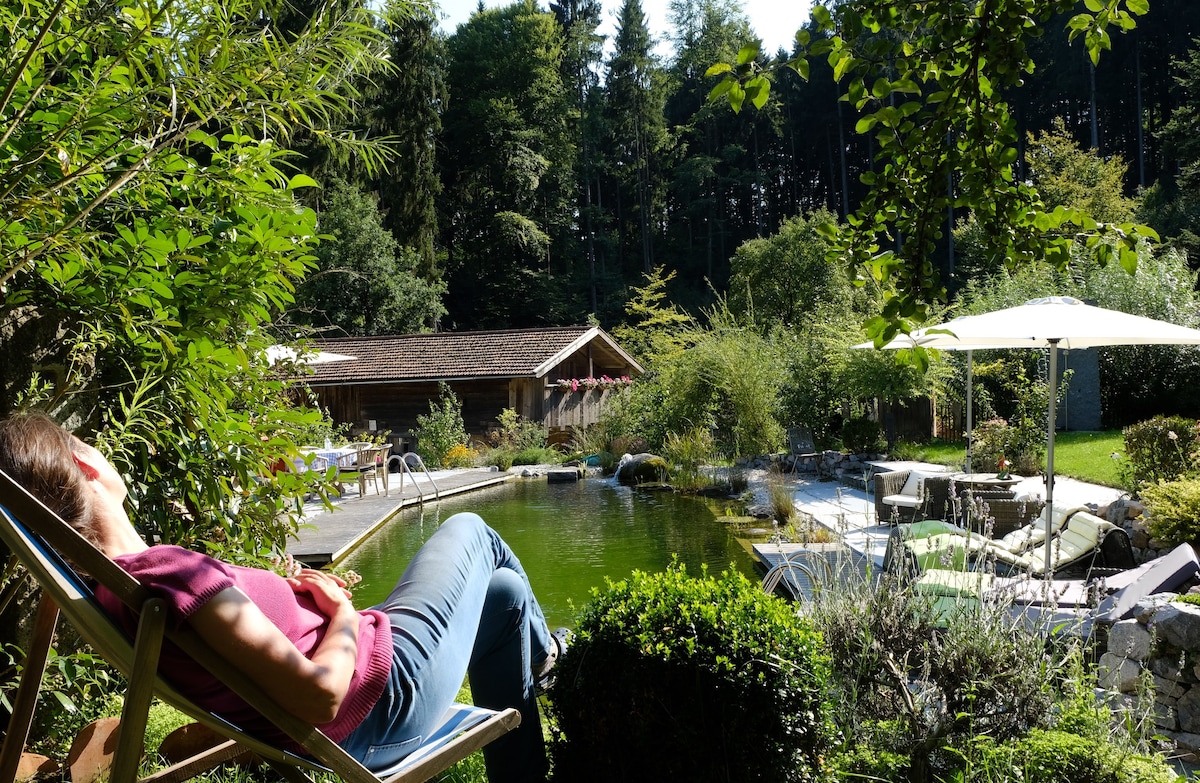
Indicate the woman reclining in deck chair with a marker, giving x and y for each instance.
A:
(375, 680)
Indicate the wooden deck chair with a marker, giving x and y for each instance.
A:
(44, 544)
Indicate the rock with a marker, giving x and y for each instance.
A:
(91, 755)
(1188, 712)
(1118, 674)
(1129, 639)
(641, 468)
(1178, 625)
(34, 766)
(564, 475)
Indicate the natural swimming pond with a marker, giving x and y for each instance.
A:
(569, 537)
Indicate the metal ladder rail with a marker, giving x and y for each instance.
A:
(406, 470)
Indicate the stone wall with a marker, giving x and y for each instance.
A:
(1161, 642)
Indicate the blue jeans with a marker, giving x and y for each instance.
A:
(464, 606)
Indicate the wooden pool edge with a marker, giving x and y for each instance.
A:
(330, 536)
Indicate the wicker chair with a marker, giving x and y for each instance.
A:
(933, 504)
(979, 507)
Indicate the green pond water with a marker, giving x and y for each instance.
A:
(569, 537)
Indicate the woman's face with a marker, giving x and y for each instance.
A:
(99, 469)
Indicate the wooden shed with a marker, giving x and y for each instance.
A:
(558, 376)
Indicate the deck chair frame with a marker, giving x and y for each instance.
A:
(46, 555)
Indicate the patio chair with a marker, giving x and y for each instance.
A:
(48, 555)
(360, 466)
(910, 495)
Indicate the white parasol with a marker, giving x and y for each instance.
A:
(1052, 322)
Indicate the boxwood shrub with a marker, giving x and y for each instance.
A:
(1173, 510)
(690, 679)
(1060, 757)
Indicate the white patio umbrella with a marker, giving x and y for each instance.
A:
(277, 353)
(1052, 322)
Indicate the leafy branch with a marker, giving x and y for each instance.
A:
(928, 79)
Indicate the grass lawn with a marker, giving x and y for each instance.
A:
(1086, 456)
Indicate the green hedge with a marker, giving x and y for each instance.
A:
(673, 678)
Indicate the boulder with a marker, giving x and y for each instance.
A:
(641, 468)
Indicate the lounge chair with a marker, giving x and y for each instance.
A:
(926, 545)
(46, 555)
(1076, 544)
(1096, 601)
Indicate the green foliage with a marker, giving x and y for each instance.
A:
(978, 673)
(150, 234)
(536, 455)
(1066, 175)
(655, 328)
(727, 381)
(1173, 510)
(506, 157)
(867, 762)
(1047, 756)
(519, 441)
(76, 688)
(518, 433)
(993, 441)
(782, 501)
(442, 428)
(861, 435)
(931, 84)
(161, 721)
(785, 279)
(365, 283)
(1163, 448)
(1021, 438)
(687, 453)
(692, 679)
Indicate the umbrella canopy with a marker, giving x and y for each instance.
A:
(1052, 322)
(277, 353)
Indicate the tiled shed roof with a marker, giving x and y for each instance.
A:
(510, 353)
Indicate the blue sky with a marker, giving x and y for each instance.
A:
(775, 21)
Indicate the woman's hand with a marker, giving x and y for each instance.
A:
(327, 590)
(310, 688)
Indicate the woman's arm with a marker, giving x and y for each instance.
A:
(311, 689)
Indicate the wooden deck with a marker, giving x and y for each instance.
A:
(328, 536)
(821, 565)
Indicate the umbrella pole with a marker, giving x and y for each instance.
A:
(1051, 415)
(970, 362)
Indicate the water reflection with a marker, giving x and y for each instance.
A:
(569, 536)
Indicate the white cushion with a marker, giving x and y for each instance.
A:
(905, 501)
(913, 484)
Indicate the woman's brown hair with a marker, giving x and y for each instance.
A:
(38, 454)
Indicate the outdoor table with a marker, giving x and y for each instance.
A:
(322, 458)
(985, 480)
